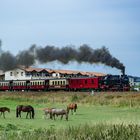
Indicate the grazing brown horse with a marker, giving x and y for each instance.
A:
(72, 106)
(3, 110)
(28, 108)
(58, 112)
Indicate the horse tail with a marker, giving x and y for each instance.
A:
(33, 113)
(17, 112)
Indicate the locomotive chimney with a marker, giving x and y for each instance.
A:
(123, 71)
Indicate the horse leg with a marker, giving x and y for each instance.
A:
(72, 111)
(54, 116)
(51, 116)
(3, 115)
(61, 117)
(27, 115)
(19, 113)
(66, 116)
(30, 115)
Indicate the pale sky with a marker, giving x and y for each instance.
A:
(111, 23)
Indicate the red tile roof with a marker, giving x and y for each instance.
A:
(31, 69)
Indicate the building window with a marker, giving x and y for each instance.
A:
(11, 74)
(21, 73)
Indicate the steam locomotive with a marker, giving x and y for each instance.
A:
(104, 83)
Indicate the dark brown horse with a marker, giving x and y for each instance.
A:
(72, 107)
(28, 108)
(3, 110)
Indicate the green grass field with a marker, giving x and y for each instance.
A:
(86, 113)
(108, 110)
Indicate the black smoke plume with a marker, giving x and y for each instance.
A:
(65, 54)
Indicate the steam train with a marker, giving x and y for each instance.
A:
(104, 83)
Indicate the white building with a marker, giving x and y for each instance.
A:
(16, 74)
(27, 74)
(40, 73)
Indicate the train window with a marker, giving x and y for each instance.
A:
(58, 82)
(52, 82)
(92, 81)
(55, 82)
(85, 81)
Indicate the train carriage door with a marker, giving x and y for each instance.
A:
(46, 86)
(11, 85)
(27, 85)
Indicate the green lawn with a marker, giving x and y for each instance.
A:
(86, 114)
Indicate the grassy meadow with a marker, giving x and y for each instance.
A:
(99, 116)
